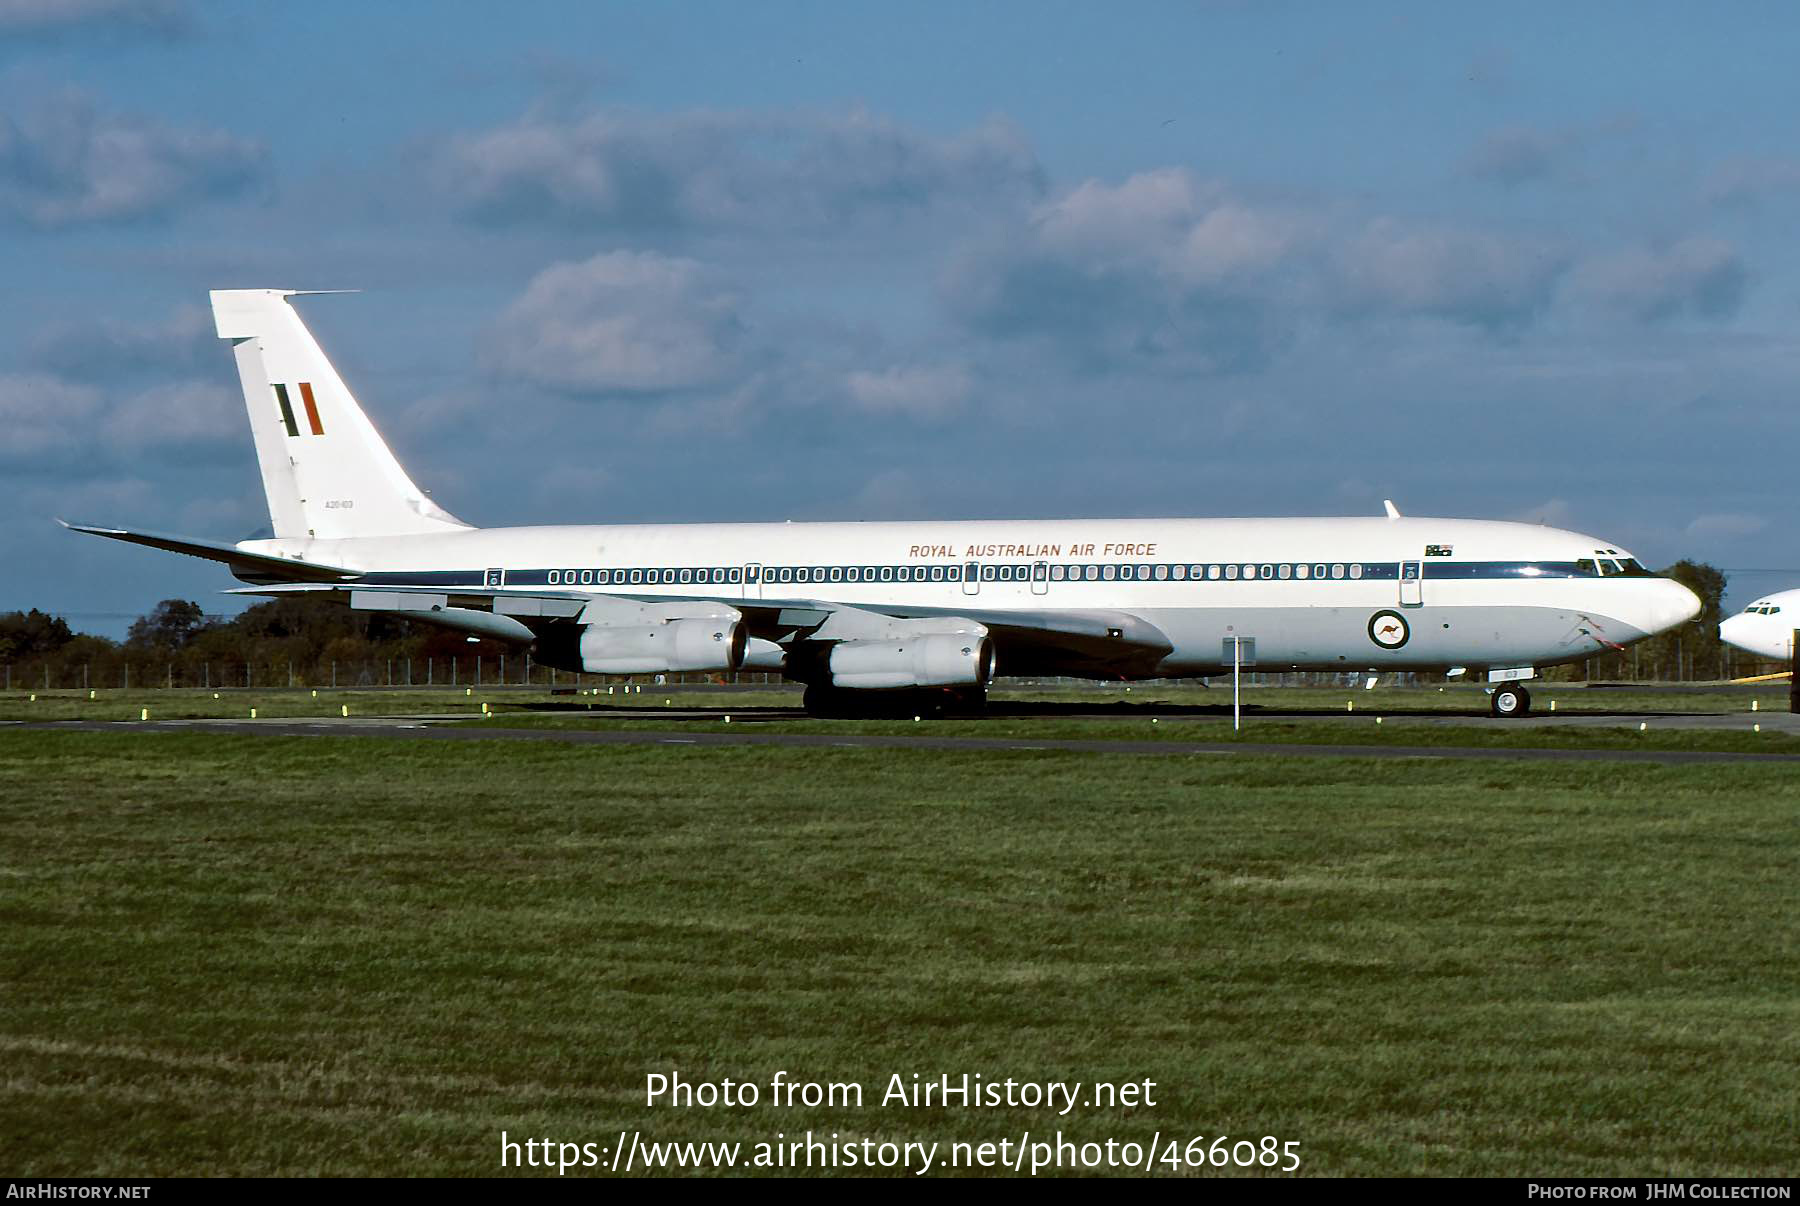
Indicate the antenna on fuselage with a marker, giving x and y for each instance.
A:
(1393, 512)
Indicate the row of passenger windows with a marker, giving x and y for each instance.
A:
(1036, 571)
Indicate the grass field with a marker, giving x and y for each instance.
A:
(226, 955)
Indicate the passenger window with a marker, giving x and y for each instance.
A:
(1212, 571)
(1056, 573)
(956, 573)
(1337, 571)
(937, 573)
(837, 573)
(1109, 572)
(1303, 571)
(1249, 571)
(1181, 573)
(1355, 570)
(887, 573)
(1143, 573)
(1231, 571)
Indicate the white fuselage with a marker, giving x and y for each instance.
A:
(1320, 594)
(1766, 627)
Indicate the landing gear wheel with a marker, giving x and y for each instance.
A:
(1509, 702)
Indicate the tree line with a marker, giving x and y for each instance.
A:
(303, 642)
(287, 642)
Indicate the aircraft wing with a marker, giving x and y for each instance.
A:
(1037, 641)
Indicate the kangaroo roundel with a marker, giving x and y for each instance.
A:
(1388, 629)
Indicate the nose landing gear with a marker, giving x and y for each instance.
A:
(1509, 700)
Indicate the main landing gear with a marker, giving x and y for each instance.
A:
(1509, 700)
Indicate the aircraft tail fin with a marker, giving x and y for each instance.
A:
(326, 470)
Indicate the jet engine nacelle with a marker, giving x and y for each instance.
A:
(927, 660)
(702, 644)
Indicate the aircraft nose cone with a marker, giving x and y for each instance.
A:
(1685, 605)
(1671, 603)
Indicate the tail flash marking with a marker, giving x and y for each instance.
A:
(287, 411)
(312, 411)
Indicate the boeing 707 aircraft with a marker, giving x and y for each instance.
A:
(866, 612)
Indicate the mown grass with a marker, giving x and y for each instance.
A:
(324, 955)
(1366, 731)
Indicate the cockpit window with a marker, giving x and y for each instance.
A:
(1587, 567)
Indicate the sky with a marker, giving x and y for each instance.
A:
(709, 261)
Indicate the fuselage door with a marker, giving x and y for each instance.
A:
(1412, 586)
(753, 577)
(972, 578)
(1040, 578)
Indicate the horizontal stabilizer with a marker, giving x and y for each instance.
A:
(250, 566)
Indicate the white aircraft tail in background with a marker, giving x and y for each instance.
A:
(327, 472)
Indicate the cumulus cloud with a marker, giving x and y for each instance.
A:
(922, 391)
(1554, 512)
(52, 423)
(179, 414)
(67, 164)
(1698, 276)
(633, 171)
(1519, 155)
(620, 323)
(110, 350)
(109, 18)
(1169, 222)
(1474, 277)
(1162, 268)
(44, 418)
(1165, 268)
(1749, 180)
(1726, 525)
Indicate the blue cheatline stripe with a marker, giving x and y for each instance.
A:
(1162, 573)
(287, 411)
